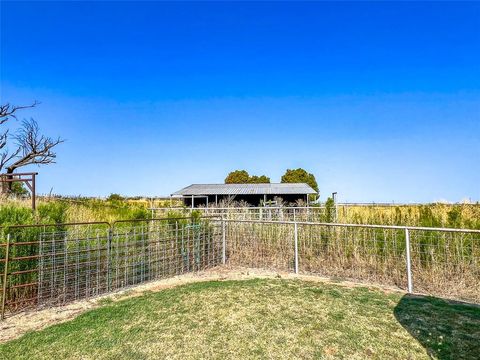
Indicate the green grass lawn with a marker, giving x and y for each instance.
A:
(261, 318)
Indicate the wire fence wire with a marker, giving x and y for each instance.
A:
(51, 265)
(54, 265)
(446, 263)
(442, 262)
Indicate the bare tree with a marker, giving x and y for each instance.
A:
(7, 111)
(34, 147)
(31, 147)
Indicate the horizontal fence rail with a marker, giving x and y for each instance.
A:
(45, 265)
(432, 215)
(270, 213)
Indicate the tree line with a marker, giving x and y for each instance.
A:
(291, 176)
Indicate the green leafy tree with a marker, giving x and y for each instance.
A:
(243, 177)
(262, 179)
(115, 197)
(300, 176)
(330, 210)
(19, 189)
(237, 177)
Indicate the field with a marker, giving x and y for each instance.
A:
(67, 262)
(58, 210)
(261, 318)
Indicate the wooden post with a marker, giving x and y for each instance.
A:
(33, 192)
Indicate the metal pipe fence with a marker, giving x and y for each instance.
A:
(267, 213)
(44, 265)
(50, 265)
(434, 261)
(433, 215)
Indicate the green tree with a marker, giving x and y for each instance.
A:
(300, 176)
(243, 177)
(115, 197)
(19, 189)
(330, 210)
(262, 179)
(237, 177)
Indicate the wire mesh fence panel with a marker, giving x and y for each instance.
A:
(260, 245)
(49, 265)
(72, 265)
(446, 263)
(157, 250)
(35, 253)
(358, 253)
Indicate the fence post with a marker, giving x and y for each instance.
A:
(109, 249)
(296, 246)
(409, 261)
(224, 242)
(5, 274)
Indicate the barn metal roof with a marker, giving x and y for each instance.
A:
(245, 189)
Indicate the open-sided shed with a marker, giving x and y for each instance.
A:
(254, 194)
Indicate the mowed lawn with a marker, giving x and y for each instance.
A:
(261, 318)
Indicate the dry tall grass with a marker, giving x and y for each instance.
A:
(431, 215)
(443, 263)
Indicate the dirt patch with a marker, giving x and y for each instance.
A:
(33, 320)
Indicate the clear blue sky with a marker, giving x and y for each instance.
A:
(381, 101)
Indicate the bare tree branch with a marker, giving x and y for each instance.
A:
(34, 147)
(5, 157)
(7, 110)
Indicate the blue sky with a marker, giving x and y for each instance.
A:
(381, 101)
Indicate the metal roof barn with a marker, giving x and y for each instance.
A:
(252, 193)
(245, 189)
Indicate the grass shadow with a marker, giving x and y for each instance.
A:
(446, 329)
